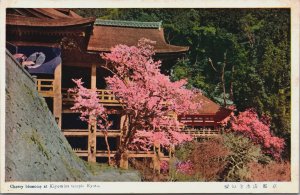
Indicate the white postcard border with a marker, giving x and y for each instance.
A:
(161, 187)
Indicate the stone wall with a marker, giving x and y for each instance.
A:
(35, 148)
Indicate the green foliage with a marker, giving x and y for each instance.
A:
(38, 141)
(184, 151)
(230, 157)
(217, 96)
(75, 172)
(182, 70)
(242, 152)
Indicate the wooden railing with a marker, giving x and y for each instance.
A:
(105, 96)
(205, 132)
(104, 153)
(45, 87)
(198, 121)
(85, 132)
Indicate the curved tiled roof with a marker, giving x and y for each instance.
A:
(133, 24)
(19, 20)
(52, 13)
(45, 17)
(210, 108)
(105, 37)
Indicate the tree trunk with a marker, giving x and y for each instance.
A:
(223, 80)
(107, 146)
(119, 156)
(231, 84)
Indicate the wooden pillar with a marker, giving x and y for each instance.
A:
(122, 121)
(215, 124)
(175, 116)
(92, 140)
(92, 136)
(193, 123)
(171, 151)
(94, 76)
(156, 158)
(124, 158)
(57, 99)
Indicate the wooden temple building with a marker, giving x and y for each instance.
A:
(70, 45)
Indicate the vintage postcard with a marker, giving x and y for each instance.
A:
(149, 96)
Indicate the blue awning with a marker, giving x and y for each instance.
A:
(44, 59)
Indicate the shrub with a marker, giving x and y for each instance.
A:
(242, 152)
(164, 167)
(209, 158)
(184, 151)
(185, 167)
(182, 171)
(257, 129)
(274, 171)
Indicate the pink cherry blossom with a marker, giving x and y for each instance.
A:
(185, 167)
(258, 130)
(148, 96)
(87, 103)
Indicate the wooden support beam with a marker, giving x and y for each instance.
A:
(57, 99)
(92, 135)
(129, 155)
(155, 158)
(156, 164)
(124, 157)
(140, 155)
(123, 122)
(70, 133)
(124, 160)
(92, 140)
(94, 76)
(193, 122)
(85, 132)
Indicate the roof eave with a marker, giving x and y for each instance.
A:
(159, 51)
(49, 23)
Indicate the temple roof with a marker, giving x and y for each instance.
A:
(210, 108)
(107, 34)
(43, 12)
(133, 24)
(45, 17)
(44, 22)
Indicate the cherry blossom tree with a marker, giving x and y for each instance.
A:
(258, 130)
(86, 102)
(148, 97)
(150, 101)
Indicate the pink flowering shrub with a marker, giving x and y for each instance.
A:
(273, 171)
(164, 166)
(258, 130)
(185, 167)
